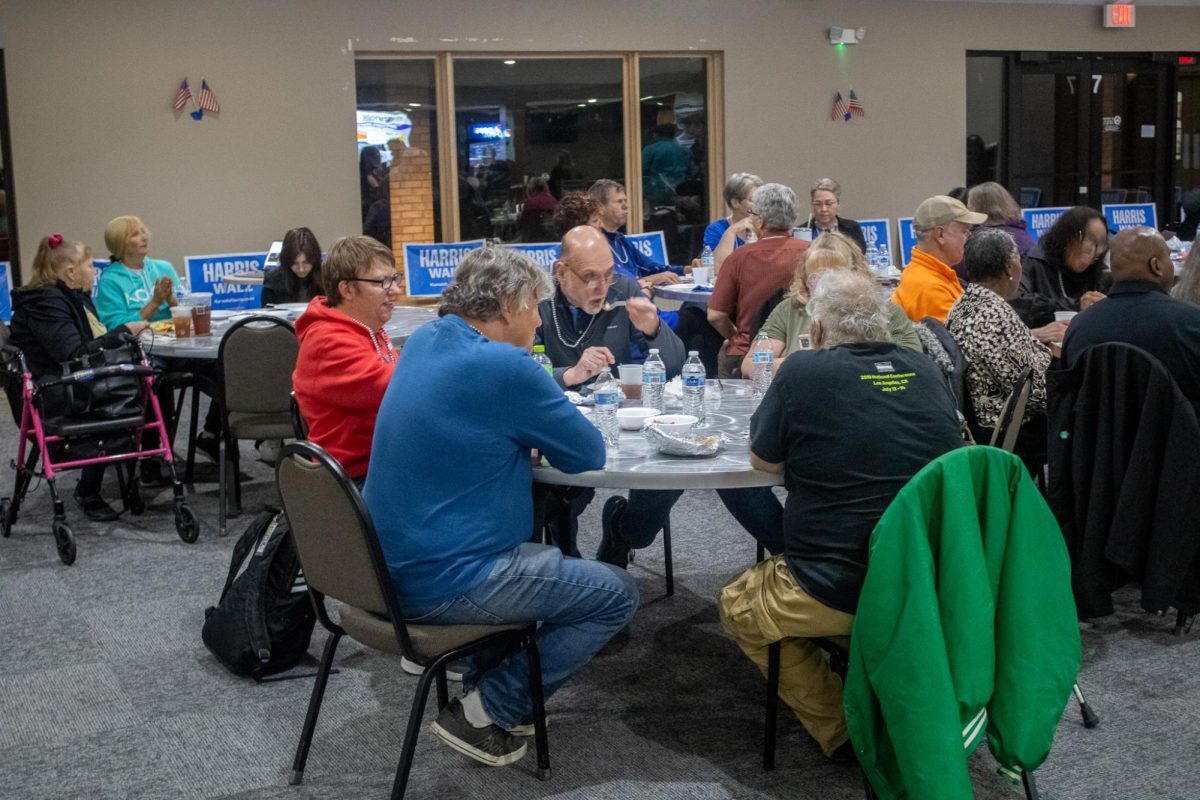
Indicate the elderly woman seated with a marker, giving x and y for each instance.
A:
(787, 326)
(996, 343)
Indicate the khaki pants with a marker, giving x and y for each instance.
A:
(729, 367)
(764, 605)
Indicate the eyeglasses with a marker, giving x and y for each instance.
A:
(593, 282)
(750, 212)
(387, 284)
(824, 203)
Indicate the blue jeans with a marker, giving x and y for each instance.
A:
(581, 605)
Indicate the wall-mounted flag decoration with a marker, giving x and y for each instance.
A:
(856, 107)
(840, 111)
(183, 96)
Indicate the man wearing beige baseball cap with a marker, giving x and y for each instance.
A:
(928, 286)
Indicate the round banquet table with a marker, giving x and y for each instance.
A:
(404, 321)
(683, 292)
(634, 465)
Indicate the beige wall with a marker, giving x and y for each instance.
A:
(90, 85)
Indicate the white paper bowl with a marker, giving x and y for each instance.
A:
(632, 419)
(674, 423)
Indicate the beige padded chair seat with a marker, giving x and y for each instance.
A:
(247, 425)
(429, 641)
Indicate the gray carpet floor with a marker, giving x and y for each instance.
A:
(106, 690)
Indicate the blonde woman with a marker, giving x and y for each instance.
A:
(787, 327)
(54, 321)
(134, 287)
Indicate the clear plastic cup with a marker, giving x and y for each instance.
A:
(181, 315)
(201, 303)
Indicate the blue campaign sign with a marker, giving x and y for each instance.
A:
(1130, 215)
(908, 239)
(429, 268)
(5, 292)
(543, 254)
(878, 233)
(1040, 220)
(652, 245)
(207, 273)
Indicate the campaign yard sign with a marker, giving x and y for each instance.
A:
(878, 233)
(544, 254)
(5, 291)
(207, 273)
(429, 268)
(908, 239)
(1130, 215)
(1040, 220)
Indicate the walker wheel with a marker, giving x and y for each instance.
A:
(5, 520)
(186, 524)
(64, 541)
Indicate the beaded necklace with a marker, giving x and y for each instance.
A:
(558, 330)
(386, 355)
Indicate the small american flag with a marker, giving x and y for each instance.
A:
(856, 107)
(183, 96)
(208, 101)
(839, 108)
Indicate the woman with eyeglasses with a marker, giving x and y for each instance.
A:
(297, 279)
(730, 232)
(1065, 270)
(825, 202)
(346, 357)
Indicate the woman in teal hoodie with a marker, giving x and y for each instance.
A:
(134, 287)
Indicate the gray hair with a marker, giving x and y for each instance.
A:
(740, 185)
(826, 185)
(849, 308)
(1188, 288)
(988, 254)
(776, 204)
(490, 281)
(602, 189)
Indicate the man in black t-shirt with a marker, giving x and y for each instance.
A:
(847, 425)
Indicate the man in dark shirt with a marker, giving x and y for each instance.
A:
(1141, 313)
(847, 424)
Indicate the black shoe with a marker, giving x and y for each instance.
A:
(844, 754)
(96, 509)
(208, 444)
(153, 475)
(612, 549)
(491, 744)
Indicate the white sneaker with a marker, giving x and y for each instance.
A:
(268, 450)
(454, 670)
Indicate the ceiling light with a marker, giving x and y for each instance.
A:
(508, 62)
(415, 105)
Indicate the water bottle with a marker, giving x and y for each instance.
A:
(706, 258)
(654, 377)
(764, 363)
(606, 394)
(539, 355)
(885, 261)
(693, 386)
(873, 258)
(751, 236)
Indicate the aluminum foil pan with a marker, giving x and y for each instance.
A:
(675, 444)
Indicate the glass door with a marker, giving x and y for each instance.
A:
(8, 210)
(1089, 130)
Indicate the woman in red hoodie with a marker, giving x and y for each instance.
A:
(346, 358)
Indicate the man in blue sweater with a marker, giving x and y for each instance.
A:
(628, 260)
(449, 490)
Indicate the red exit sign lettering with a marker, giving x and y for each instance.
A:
(1119, 15)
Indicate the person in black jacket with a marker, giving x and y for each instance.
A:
(826, 197)
(54, 321)
(1065, 269)
(297, 279)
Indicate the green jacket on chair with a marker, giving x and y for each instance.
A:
(966, 624)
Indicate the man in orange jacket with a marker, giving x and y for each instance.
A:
(928, 285)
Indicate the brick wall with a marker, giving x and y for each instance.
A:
(410, 187)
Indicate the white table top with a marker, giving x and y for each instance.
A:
(685, 292)
(633, 465)
(405, 320)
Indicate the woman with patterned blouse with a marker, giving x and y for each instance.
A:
(997, 345)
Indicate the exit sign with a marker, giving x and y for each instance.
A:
(1119, 15)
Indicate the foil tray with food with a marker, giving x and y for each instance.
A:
(682, 444)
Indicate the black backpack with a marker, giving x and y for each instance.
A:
(264, 620)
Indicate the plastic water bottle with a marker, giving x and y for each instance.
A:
(693, 386)
(751, 236)
(606, 394)
(706, 258)
(764, 363)
(885, 261)
(873, 258)
(539, 355)
(654, 377)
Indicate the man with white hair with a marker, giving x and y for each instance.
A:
(847, 424)
(755, 272)
(929, 286)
